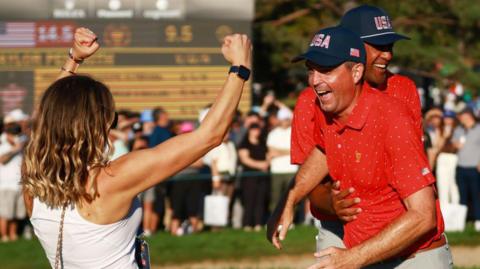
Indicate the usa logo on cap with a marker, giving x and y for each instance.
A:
(333, 46)
(320, 40)
(372, 24)
(382, 23)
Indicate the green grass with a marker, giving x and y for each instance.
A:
(469, 237)
(22, 254)
(227, 244)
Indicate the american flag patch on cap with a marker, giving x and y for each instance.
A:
(354, 52)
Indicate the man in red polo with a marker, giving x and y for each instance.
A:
(370, 143)
(364, 21)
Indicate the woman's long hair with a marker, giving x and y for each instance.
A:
(69, 141)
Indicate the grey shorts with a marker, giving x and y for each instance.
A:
(437, 258)
(329, 235)
(12, 205)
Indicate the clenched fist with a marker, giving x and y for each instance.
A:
(237, 49)
(85, 44)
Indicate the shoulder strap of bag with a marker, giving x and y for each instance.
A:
(58, 255)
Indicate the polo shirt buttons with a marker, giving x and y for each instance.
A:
(339, 146)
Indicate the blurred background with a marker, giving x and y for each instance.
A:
(162, 61)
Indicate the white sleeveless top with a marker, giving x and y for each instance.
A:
(86, 244)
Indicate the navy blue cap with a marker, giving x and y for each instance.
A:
(333, 46)
(372, 24)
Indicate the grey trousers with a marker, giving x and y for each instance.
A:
(437, 258)
(330, 235)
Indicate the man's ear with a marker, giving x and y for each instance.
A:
(357, 72)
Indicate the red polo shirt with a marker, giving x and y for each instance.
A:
(307, 107)
(378, 153)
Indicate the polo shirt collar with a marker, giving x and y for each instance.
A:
(357, 119)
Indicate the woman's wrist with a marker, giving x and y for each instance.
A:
(76, 59)
(70, 66)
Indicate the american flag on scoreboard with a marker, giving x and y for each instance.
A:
(17, 34)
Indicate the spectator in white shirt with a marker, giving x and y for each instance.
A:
(278, 143)
(12, 207)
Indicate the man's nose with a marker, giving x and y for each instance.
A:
(316, 77)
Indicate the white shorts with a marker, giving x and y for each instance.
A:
(12, 205)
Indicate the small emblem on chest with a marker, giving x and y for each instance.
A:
(358, 156)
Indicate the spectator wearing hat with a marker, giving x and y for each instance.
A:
(223, 165)
(466, 139)
(446, 162)
(12, 207)
(434, 130)
(186, 194)
(278, 143)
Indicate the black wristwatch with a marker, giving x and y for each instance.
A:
(241, 71)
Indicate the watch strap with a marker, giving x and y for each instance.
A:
(241, 71)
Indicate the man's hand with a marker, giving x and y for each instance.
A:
(310, 175)
(281, 218)
(85, 44)
(336, 258)
(237, 49)
(343, 205)
(279, 222)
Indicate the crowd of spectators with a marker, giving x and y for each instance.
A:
(251, 167)
(452, 143)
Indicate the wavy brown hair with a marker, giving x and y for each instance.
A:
(68, 141)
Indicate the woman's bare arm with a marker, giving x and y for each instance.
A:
(139, 170)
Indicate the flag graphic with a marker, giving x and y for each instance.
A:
(354, 52)
(17, 34)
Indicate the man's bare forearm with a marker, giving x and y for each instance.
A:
(401, 233)
(311, 173)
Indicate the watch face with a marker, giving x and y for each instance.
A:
(244, 72)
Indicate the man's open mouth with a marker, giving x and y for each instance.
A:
(381, 66)
(322, 93)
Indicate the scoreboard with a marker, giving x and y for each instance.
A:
(173, 63)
